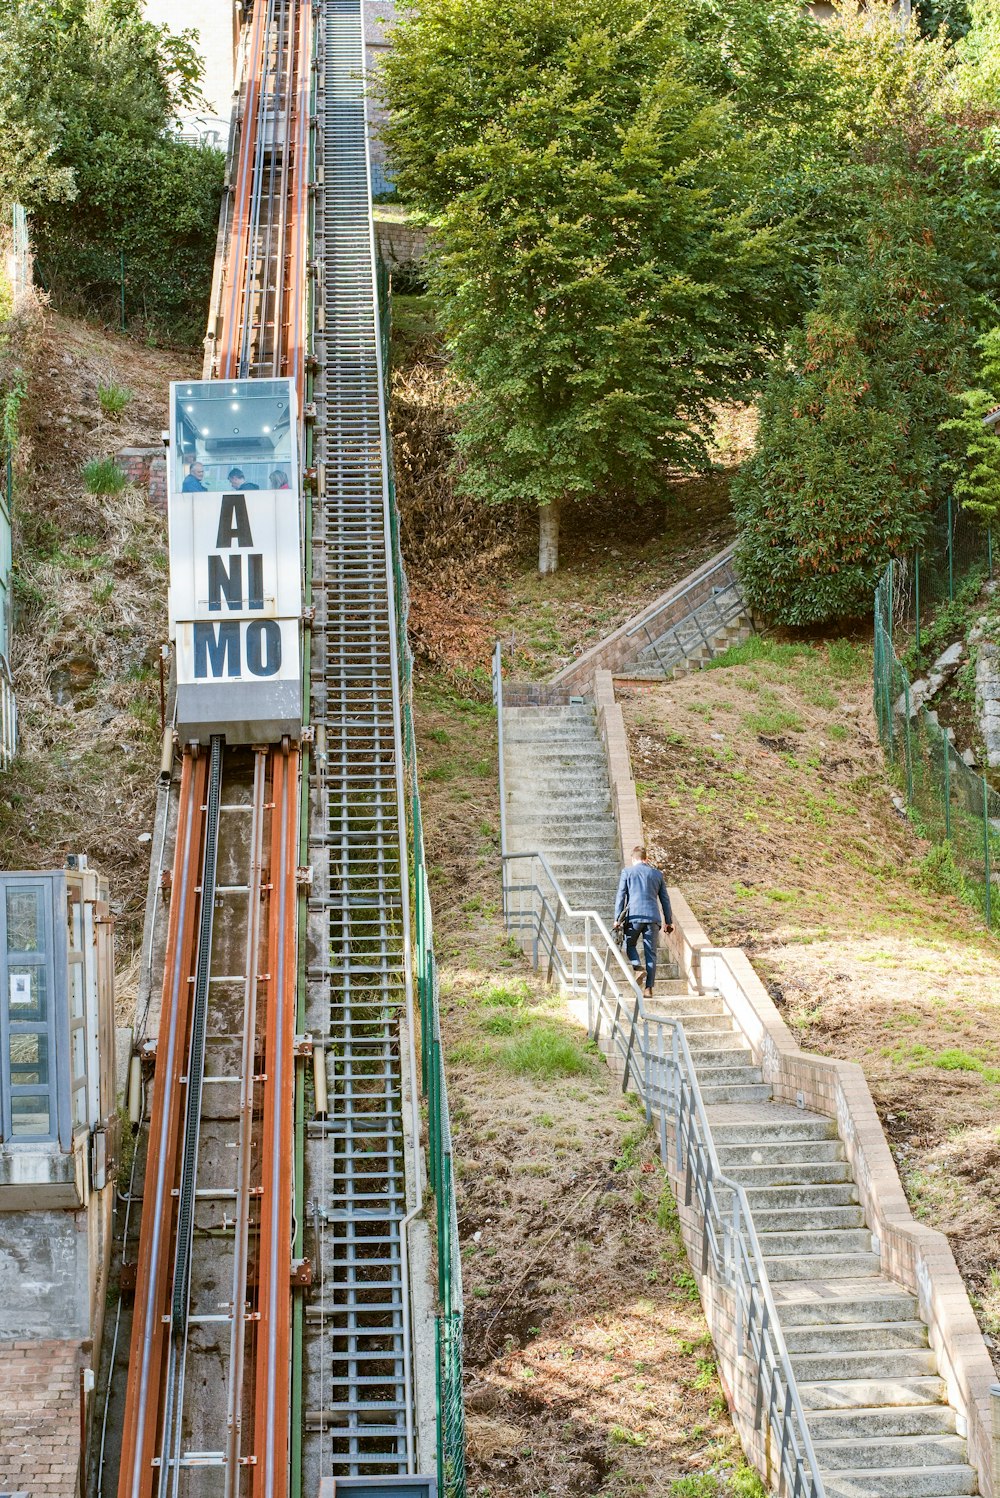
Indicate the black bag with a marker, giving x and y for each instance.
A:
(620, 929)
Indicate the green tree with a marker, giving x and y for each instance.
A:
(88, 90)
(851, 457)
(975, 467)
(977, 80)
(601, 276)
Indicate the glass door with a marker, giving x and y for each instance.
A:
(27, 1000)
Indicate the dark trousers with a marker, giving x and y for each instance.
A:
(649, 931)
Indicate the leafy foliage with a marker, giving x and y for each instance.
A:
(851, 457)
(601, 276)
(976, 466)
(87, 92)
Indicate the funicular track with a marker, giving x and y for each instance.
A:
(208, 1369)
(358, 1378)
(216, 1350)
(208, 1393)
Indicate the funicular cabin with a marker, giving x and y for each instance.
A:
(234, 501)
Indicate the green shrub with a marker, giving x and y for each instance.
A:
(544, 1052)
(113, 398)
(103, 476)
(849, 462)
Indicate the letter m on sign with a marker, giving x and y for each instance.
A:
(217, 651)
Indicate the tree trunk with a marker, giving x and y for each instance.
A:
(548, 537)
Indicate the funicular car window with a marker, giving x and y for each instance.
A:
(233, 435)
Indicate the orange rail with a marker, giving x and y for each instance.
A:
(147, 1359)
(273, 1373)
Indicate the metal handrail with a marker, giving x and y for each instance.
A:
(8, 717)
(577, 947)
(724, 564)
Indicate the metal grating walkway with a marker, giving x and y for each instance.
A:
(357, 1323)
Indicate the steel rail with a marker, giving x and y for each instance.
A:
(155, 1241)
(241, 1213)
(173, 1399)
(237, 257)
(273, 1373)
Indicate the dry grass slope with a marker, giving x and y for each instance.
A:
(90, 601)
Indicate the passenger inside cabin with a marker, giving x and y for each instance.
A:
(238, 481)
(193, 480)
(279, 479)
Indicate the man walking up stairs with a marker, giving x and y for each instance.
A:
(876, 1407)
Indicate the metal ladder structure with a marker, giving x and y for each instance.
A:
(358, 1375)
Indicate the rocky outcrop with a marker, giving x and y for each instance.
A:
(988, 699)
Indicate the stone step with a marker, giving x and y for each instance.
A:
(820, 1172)
(900, 1362)
(554, 831)
(728, 1076)
(891, 1420)
(696, 1026)
(746, 1094)
(900, 1482)
(855, 1337)
(694, 1007)
(820, 1266)
(887, 1392)
(808, 1243)
(844, 1301)
(785, 1131)
(778, 1198)
(792, 1152)
(721, 1055)
(801, 1218)
(553, 793)
(886, 1452)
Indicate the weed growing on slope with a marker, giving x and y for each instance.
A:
(103, 477)
(772, 718)
(759, 648)
(113, 397)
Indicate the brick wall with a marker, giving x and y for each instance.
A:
(147, 469)
(40, 1447)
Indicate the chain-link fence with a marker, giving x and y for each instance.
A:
(952, 804)
(440, 1166)
(956, 554)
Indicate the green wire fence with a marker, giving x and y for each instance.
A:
(440, 1167)
(951, 802)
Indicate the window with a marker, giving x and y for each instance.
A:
(233, 435)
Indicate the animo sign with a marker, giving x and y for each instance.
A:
(235, 564)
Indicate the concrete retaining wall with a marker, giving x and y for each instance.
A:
(918, 1257)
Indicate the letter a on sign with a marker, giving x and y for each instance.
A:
(234, 523)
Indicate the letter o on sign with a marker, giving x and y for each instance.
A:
(263, 647)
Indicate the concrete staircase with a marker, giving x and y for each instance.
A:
(559, 800)
(711, 628)
(876, 1408)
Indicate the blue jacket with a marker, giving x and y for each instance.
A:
(641, 886)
